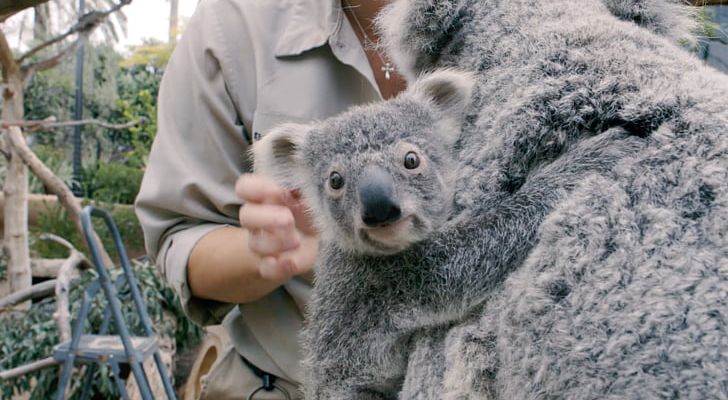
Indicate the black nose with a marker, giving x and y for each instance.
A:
(376, 193)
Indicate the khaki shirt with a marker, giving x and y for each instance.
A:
(242, 67)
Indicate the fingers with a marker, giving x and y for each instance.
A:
(280, 231)
(252, 188)
(265, 216)
(277, 269)
(273, 243)
(290, 263)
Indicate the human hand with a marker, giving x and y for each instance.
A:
(280, 231)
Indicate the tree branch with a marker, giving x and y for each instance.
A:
(9, 8)
(42, 289)
(53, 183)
(85, 25)
(28, 368)
(50, 123)
(43, 45)
(69, 270)
(50, 62)
(7, 61)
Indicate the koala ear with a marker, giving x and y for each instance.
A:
(278, 154)
(448, 90)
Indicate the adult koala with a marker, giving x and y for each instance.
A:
(399, 263)
(624, 294)
(623, 291)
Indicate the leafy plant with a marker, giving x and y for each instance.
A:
(151, 52)
(56, 221)
(57, 161)
(112, 182)
(32, 335)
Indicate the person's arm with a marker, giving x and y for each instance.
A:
(275, 244)
(187, 204)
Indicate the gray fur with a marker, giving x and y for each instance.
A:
(548, 273)
(672, 18)
(624, 293)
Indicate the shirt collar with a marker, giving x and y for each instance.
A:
(312, 23)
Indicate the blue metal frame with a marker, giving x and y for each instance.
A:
(112, 313)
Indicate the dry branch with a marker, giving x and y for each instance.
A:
(53, 183)
(28, 368)
(85, 25)
(9, 66)
(42, 289)
(68, 271)
(8, 8)
(52, 61)
(46, 267)
(52, 124)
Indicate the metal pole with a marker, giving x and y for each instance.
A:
(78, 112)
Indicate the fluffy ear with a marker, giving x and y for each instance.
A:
(278, 154)
(450, 92)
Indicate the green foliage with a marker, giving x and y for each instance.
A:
(57, 161)
(708, 31)
(138, 87)
(49, 94)
(151, 52)
(112, 182)
(56, 221)
(113, 160)
(707, 27)
(52, 94)
(32, 335)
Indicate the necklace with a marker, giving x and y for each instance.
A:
(369, 44)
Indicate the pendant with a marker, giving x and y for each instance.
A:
(388, 69)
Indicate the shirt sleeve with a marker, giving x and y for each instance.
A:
(200, 148)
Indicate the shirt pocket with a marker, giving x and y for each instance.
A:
(265, 120)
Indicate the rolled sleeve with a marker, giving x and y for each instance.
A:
(172, 262)
(200, 149)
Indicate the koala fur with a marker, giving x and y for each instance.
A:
(623, 293)
(440, 266)
(672, 18)
(575, 239)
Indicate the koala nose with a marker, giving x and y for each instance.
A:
(376, 193)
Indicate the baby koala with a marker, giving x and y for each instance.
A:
(376, 181)
(399, 263)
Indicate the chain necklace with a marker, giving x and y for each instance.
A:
(387, 66)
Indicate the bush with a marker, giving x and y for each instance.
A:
(112, 182)
(32, 335)
(56, 221)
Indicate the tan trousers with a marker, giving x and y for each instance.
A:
(230, 378)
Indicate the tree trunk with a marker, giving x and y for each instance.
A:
(15, 212)
(173, 20)
(15, 242)
(41, 21)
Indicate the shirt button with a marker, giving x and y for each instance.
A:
(256, 135)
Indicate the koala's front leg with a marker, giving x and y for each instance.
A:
(463, 263)
(353, 351)
(425, 366)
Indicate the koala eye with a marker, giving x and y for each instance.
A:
(411, 160)
(336, 181)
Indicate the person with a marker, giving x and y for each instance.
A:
(237, 248)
